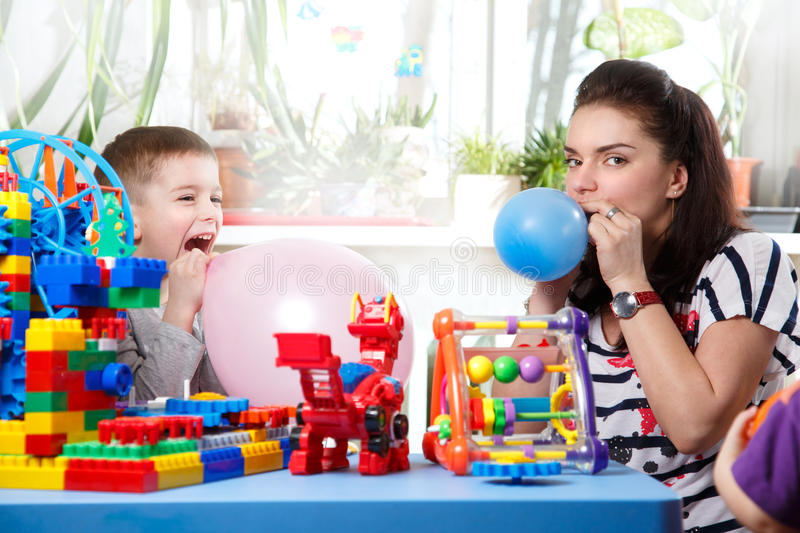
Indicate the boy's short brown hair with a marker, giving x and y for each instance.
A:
(138, 154)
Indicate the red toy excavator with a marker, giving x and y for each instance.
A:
(351, 400)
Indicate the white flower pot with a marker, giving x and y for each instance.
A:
(478, 198)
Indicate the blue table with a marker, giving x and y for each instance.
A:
(425, 499)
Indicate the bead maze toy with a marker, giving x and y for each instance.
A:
(351, 400)
(459, 410)
(65, 282)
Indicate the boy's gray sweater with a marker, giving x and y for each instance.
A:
(162, 356)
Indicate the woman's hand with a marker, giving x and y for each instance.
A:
(618, 240)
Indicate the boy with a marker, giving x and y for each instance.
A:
(760, 479)
(172, 181)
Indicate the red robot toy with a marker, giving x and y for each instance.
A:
(351, 400)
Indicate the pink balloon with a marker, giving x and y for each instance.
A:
(286, 285)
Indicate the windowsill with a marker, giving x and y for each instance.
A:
(233, 236)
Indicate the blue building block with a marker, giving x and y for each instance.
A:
(179, 406)
(15, 246)
(67, 270)
(287, 451)
(138, 272)
(81, 295)
(516, 471)
(20, 322)
(12, 380)
(222, 463)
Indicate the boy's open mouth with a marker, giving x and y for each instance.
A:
(203, 241)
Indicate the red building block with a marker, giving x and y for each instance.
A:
(57, 380)
(47, 361)
(111, 475)
(49, 445)
(92, 400)
(17, 282)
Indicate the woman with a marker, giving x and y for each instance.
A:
(692, 316)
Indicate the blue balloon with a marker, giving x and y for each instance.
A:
(541, 234)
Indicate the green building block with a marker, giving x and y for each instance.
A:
(90, 359)
(45, 402)
(19, 301)
(92, 418)
(19, 228)
(133, 297)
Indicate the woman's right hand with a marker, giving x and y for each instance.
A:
(548, 297)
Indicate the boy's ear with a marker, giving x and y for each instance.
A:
(137, 231)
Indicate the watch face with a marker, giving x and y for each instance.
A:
(624, 304)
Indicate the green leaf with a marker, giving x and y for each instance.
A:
(39, 98)
(161, 11)
(99, 92)
(5, 11)
(282, 9)
(647, 31)
(701, 10)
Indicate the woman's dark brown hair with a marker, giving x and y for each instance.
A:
(706, 216)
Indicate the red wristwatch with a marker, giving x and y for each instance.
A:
(625, 304)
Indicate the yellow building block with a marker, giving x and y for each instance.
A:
(207, 396)
(50, 334)
(51, 423)
(262, 457)
(257, 435)
(19, 207)
(28, 472)
(82, 436)
(12, 437)
(178, 469)
(15, 264)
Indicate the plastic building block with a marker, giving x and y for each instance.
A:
(81, 436)
(47, 444)
(67, 269)
(23, 472)
(19, 207)
(51, 334)
(223, 440)
(222, 463)
(115, 379)
(45, 402)
(51, 423)
(19, 324)
(133, 297)
(12, 378)
(362, 402)
(18, 301)
(17, 282)
(91, 358)
(77, 295)
(93, 418)
(262, 457)
(179, 470)
(55, 380)
(17, 246)
(111, 475)
(88, 400)
(15, 264)
(138, 272)
(19, 228)
(12, 437)
(515, 471)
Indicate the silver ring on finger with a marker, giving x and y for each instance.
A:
(611, 212)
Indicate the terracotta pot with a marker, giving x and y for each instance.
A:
(741, 171)
(237, 191)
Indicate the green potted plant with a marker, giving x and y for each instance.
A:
(488, 173)
(735, 21)
(543, 158)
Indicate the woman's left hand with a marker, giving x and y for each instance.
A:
(618, 239)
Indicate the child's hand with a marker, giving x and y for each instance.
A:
(187, 278)
(736, 439)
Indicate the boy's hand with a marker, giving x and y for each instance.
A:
(187, 278)
(736, 439)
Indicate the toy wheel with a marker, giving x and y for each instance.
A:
(379, 444)
(374, 419)
(298, 415)
(65, 202)
(294, 438)
(400, 426)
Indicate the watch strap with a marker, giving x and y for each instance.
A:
(647, 297)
